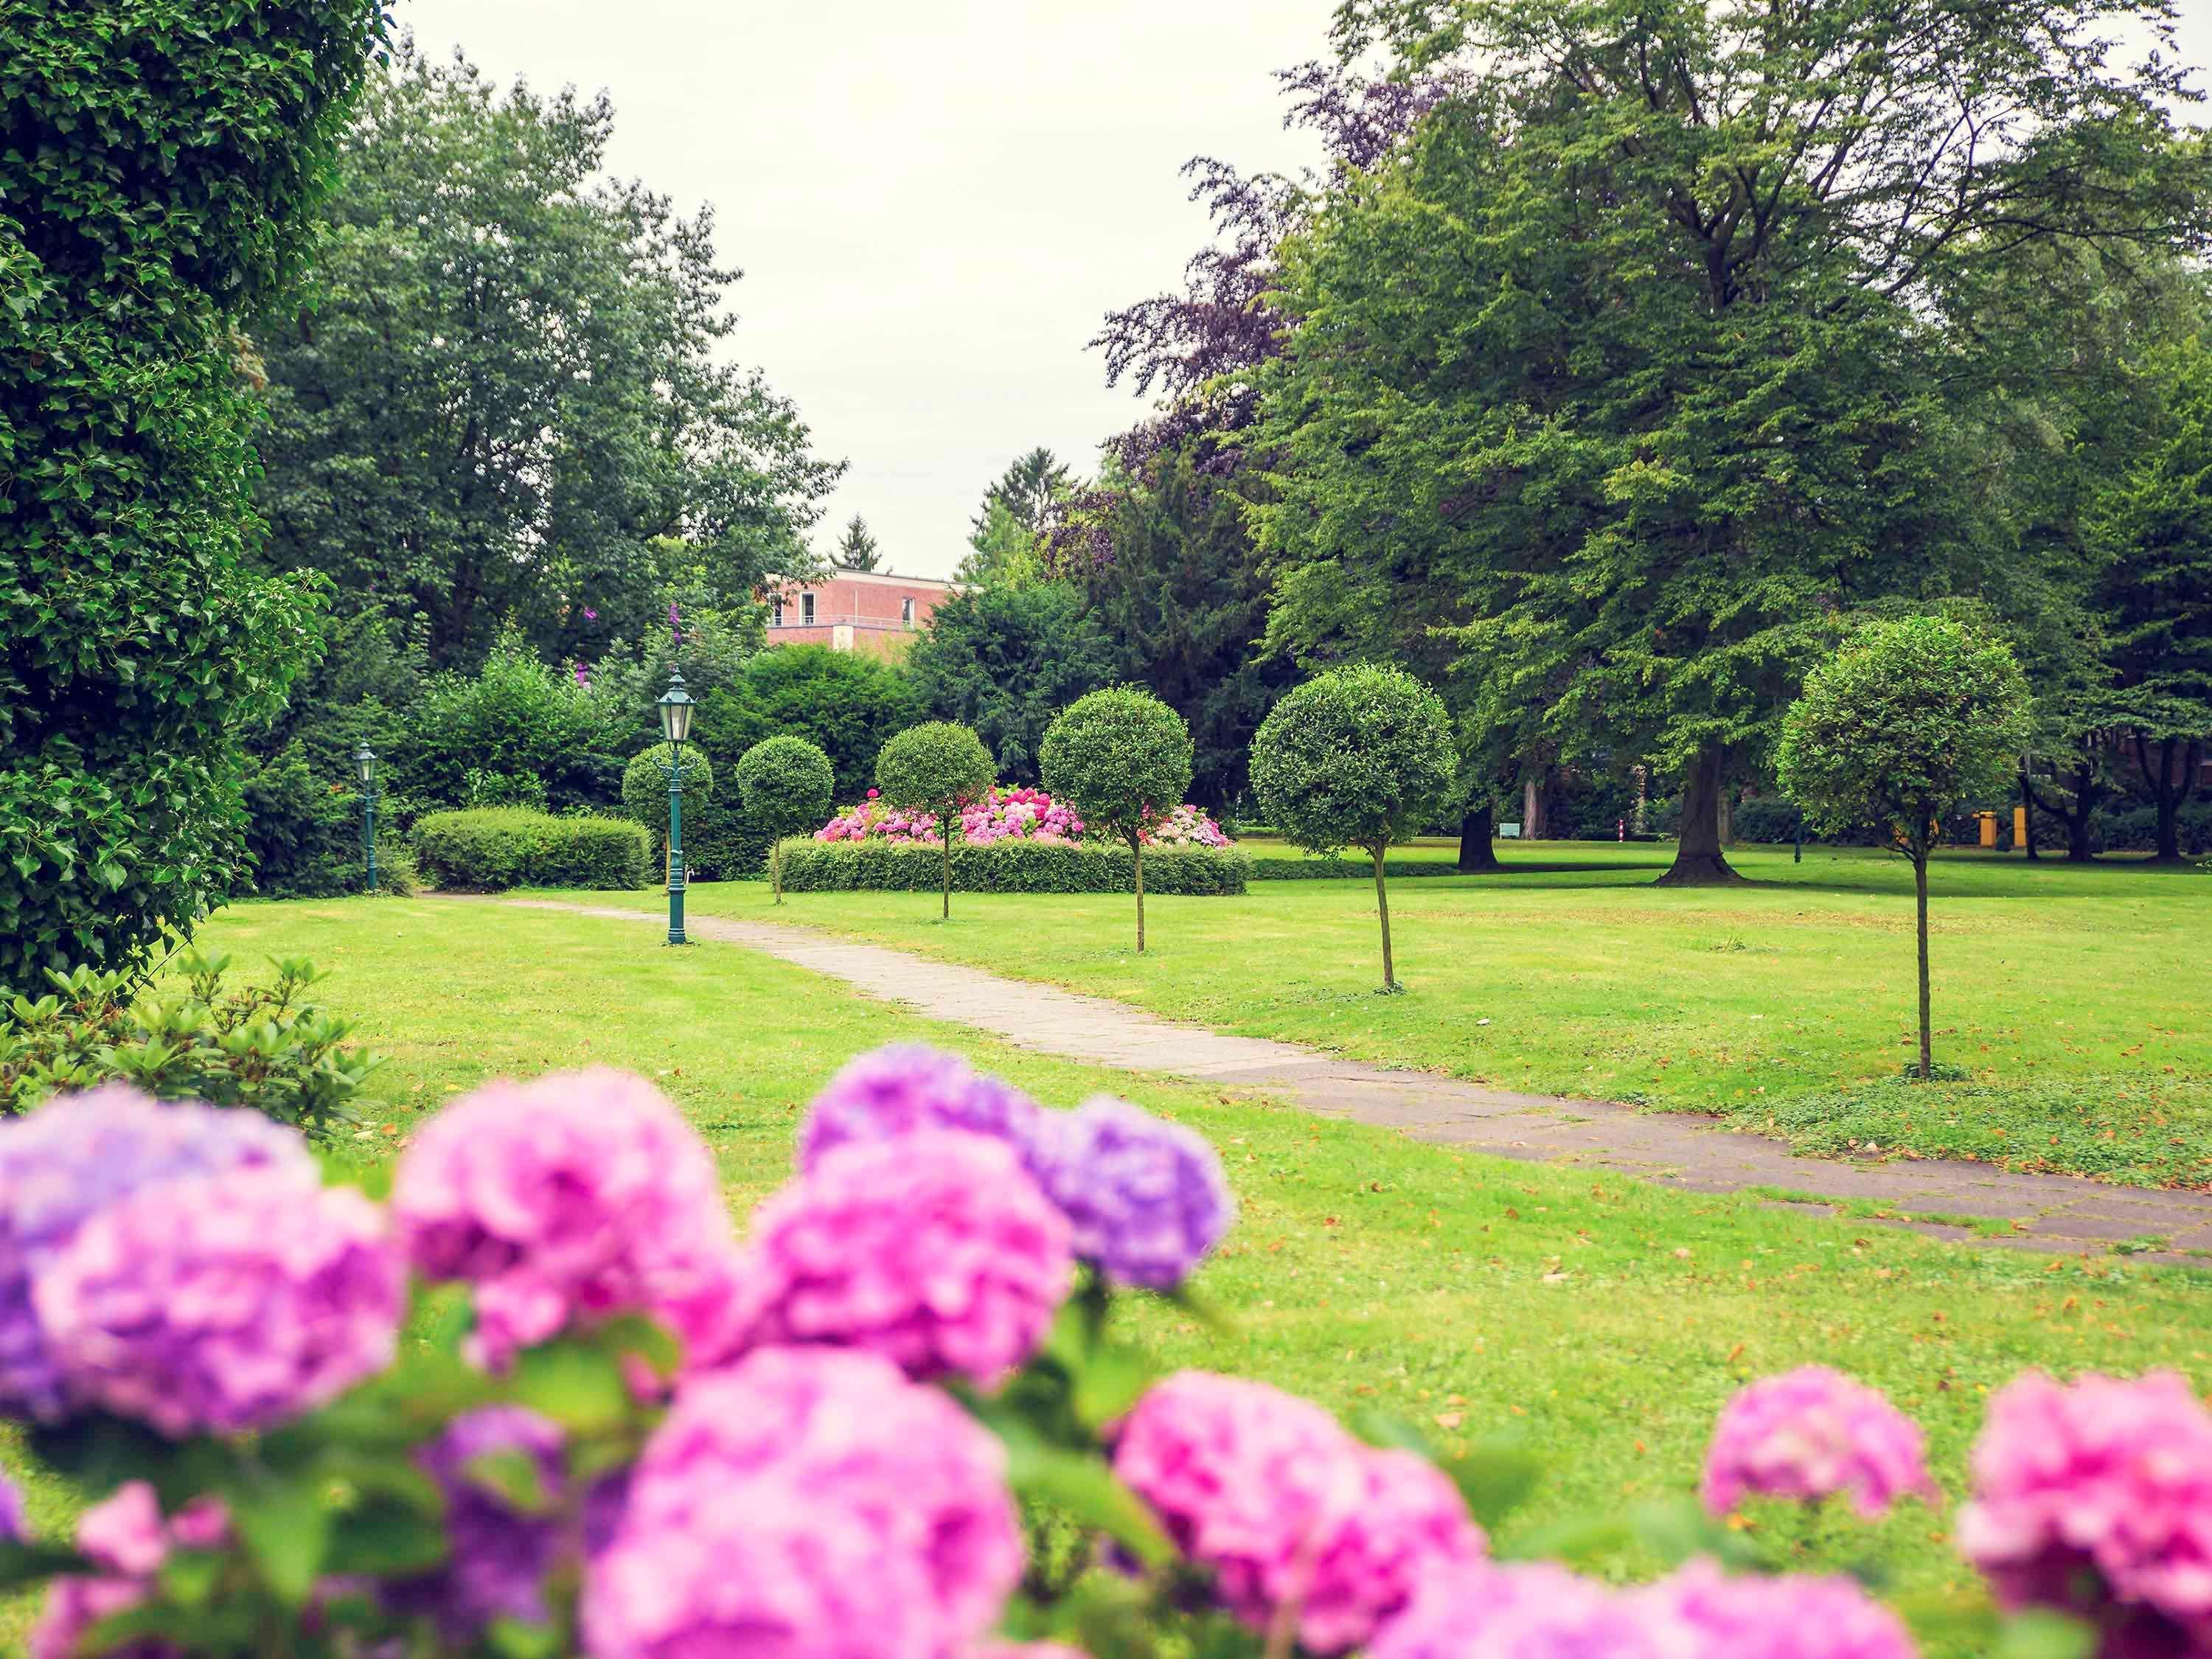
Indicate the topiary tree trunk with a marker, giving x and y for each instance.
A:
(1137, 852)
(1382, 909)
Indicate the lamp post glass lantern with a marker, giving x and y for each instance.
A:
(364, 761)
(675, 706)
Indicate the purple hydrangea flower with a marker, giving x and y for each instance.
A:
(78, 1154)
(571, 1199)
(1809, 1433)
(1532, 1610)
(936, 1251)
(1794, 1616)
(1147, 1198)
(500, 1557)
(1288, 1509)
(896, 1090)
(224, 1302)
(807, 1502)
(2096, 1500)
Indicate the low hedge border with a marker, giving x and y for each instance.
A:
(490, 848)
(1342, 869)
(1009, 866)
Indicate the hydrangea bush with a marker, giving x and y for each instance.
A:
(893, 1422)
(1008, 814)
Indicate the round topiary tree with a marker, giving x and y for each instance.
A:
(1123, 757)
(1355, 757)
(936, 768)
(1912, 718)
(786, 785)
(645, 791)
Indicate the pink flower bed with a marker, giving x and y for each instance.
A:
(1006, 814)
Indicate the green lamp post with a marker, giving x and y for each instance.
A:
(675, 706)
(364, 761)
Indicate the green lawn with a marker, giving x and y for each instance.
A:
(2076, 997)
(1605, 1321)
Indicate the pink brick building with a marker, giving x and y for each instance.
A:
(866, 611)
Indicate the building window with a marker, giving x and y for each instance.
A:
(906, 612)
(807, 610)
(775, 611)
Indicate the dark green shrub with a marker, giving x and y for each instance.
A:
(848, 705)
(938, 768)
(785, 783)
(1355, 757)
(502, 846)
(265, 1047)
(155, 177)
(720, 843)
(1287, 869)
(1002, 661)
(1008, 866)
(1122, 759)
(303, 835)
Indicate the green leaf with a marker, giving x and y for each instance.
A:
(1085, 1490)
(580, 1388)
(513, 1477)
(286, 1524)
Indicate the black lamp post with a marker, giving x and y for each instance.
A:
(675, 706)
(364, 761)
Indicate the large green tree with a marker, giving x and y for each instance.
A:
(2153, 595)
(1004, 660)
(159, 162)
(507, 401)
(1629, 367)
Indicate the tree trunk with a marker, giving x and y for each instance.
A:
(944, 841)
(1536, 809)
(1698, 861)
(775, 867)
(1728, 817)
(2027, 806)
(1383, 907)
(1478, 832)
(1920, 894)
(2171, 787)
(1138, 848)
(2076, 813)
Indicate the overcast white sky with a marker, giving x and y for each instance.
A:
(934, 202)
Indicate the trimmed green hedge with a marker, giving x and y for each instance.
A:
(1338, 869)
(498, 847)
(1008, 866)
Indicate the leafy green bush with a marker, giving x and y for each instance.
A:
(785, 783)
(501, 847)
(1355, 757)
(303, 836)
(155, 187)
(645, 791)
(1123, 757)
(265, 1047)
(515, 718)
(483, 788)
(1012, 865)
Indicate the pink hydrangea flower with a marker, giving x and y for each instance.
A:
(1811, 1433)
(1147, 1198)
(2096, 1500)
(1289, 1510)
(1794, 1616)
(571, 1199)
(807, 1502)
(936, 1251)
(1532, 1610)
(224, 1302)
(125, 1537)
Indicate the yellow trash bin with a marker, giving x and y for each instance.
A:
(2019, 826)
(1989, 828)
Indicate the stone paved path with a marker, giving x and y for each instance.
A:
(2047, 1212)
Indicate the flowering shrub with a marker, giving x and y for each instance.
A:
(1185, 826)
(1003, 814)
(631, 1436)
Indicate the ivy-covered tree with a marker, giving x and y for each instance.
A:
(1643, 392)
(1123, 757)
(1003, 660)
(507, 401)
(158, 165)
(1912, 718)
